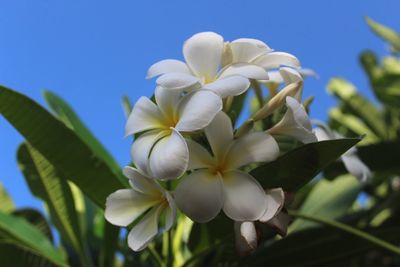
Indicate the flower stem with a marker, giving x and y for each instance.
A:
(348, 229)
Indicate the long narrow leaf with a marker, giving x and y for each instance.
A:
(45, 183)
(19, 232)
(59, 145)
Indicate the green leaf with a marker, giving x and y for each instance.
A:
(328, 199)
(59, 145)
(354, 124)
(385, 33)
(67, 115)
(382, 157)
(35, 218)
(317, 247)
(296, 168)
(47, 184)
(358, 106)
(22, 234)
(7, 204)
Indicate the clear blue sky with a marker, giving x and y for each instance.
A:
(92, 52)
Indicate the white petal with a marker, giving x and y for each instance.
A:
(145, 115)
(251, 148)
(141, 183)
(280, 223)
(295, 123)
(145, 231)
(275, 200)
(200, 196)
(244, 50)
(141, 148)
(197, 109)
(170, 212)
(244, 197)
(229, 86)
(203, 54)
(356, 167)
(126, 205)
(198, 156)
(169, 157)
(274, 77)
(290, 75)
(167, 66)
(219, 134)
(245, 237)
(167, 101)
(322, 135)
(178, 81)
(250, 71)
(275, 60)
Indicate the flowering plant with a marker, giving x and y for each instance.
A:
(226, 169)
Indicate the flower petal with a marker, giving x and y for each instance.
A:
(170, 212)
(295, 123)
(200, 196)
(290, 76)
(145, 230)
(251, 148)
(229, 86)
(141, 183)
(198, 156)
(280, 223)
(275, 200)
(219, 134)
(145, 115)
(245, 237)
(197, 109)
(356, 167)
(244, 50)
(247, 70)
(203, 54)
(244, 197)
(169, 157)
(167, 66)
(141, 147)
(275, 60)
(178, 81)
(167, 101)
(125, 205)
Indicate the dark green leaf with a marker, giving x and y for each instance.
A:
(296, 168)
(67, 115)
(316, 247)
(20, 233)
(59, 145)
(35, 218)
(382, 157)
(46, 183)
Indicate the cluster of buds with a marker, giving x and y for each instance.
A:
(185, 138)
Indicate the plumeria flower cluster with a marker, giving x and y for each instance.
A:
(186, 153)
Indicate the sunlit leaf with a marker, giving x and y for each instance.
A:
(386, 33)
(20, 233)
(59, 145)
(328, 199)
(7, 204)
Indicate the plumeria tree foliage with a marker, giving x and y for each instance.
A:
(224, 160)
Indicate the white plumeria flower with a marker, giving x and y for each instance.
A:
(351, 161)
(162, 151)
(217, 183)
(253, 51)
(295, 123)
(146, 197)
(203, 53)
(246, 238)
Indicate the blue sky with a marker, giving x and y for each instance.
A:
(92, 52)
